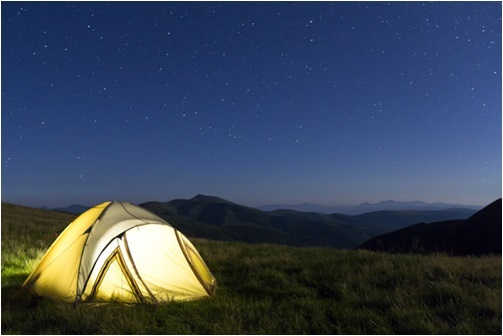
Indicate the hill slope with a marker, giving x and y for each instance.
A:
(480, 234)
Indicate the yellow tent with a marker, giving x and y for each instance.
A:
(119, 252)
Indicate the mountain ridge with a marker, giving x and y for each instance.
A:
(386, 205)
(216, 218)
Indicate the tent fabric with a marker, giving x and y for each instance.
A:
(119, 252)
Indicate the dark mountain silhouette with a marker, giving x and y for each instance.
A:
(216, 218)
(378, 222)
(480, 234)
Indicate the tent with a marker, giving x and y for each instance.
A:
(120, 252)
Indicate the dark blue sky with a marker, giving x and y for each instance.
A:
(256, 102)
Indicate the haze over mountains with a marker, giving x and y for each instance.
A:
(367, 207)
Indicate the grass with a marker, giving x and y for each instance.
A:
(269, 289)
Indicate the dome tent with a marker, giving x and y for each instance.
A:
(120, 252)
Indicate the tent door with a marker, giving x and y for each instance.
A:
(116, 261)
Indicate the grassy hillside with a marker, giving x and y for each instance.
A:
(269, 289)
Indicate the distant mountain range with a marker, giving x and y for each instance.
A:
(73, 209)
(367, 207)
(479, 234)
(219, 219)
(330, 209)
(216, 218)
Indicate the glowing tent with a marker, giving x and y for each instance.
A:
(119, 252)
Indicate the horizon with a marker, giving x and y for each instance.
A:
(257, 205)
(255, 102)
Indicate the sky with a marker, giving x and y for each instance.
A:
(255, 102)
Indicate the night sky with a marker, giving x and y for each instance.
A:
(255, 102)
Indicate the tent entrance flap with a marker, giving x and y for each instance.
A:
(114, 266)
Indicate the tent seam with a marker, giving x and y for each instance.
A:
(77, 294)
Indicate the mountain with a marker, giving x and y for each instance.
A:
(414, 205)
(367, 207)
(216, 218)
(304, 207)
(73, 209)
(379, 222)
(479, 234)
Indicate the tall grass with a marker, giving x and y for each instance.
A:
(269, 289)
